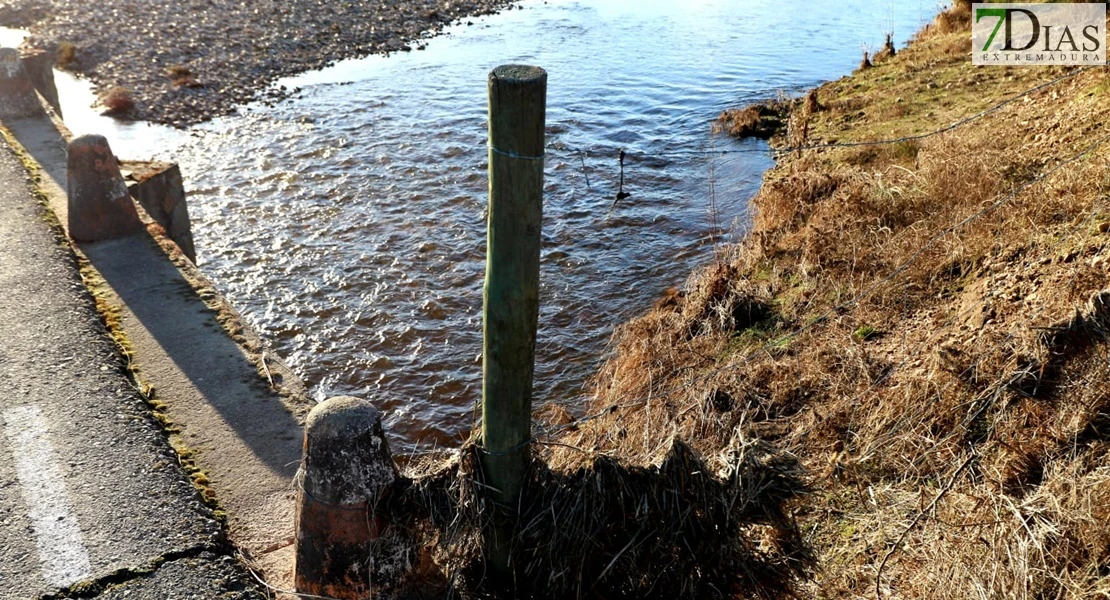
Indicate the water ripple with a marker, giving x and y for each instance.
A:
(347, 224)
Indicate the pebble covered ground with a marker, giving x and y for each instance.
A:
(188, 61)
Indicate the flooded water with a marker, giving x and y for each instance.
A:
(347, 223)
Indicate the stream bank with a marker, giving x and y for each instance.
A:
(189, 61)
(921, 323)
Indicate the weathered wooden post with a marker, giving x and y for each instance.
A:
(517, 104)
(347, 475)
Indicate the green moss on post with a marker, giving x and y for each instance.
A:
(517, 104)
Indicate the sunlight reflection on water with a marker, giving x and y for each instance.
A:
(346, 223)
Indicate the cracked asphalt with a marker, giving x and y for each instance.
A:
(90, 491)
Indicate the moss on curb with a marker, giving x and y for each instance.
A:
(109, 311)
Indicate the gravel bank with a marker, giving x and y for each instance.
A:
(191, 60)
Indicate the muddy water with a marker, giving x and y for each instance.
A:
(347, 222)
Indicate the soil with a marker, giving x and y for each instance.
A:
(190, 61)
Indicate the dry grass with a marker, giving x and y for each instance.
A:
(178, 72)
(117, 101)
(683, 527)
(865, 63)
(887, 50)
(955, 20)
(986, 327)
(894, 387)
(182, 76)
(65, 55)
(761, 120)
(812, 102)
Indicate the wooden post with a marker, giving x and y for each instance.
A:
(517, 103)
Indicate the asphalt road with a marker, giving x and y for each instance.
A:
(89, 489)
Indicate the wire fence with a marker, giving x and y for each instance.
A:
(613, 152)
(547, 436)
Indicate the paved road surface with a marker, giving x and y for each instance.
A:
(89, 488)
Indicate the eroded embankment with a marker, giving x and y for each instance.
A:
(895, 387)
(921, 323)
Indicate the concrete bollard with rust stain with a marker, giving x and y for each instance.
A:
(18, 98)
(98, 203)
(345, 547)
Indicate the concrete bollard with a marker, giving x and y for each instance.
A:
(159, 189)
(347, 474)
(99, 206)
(39, 65)
(17, 93)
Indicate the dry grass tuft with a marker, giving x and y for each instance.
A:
(812, 104)
(117, 101)
(65, 55)
(178, 72)
(762, 120)
(681, 528)
(182, 76)
(888, 49)
(969, 419)
(954, 20)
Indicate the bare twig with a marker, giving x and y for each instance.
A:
(266, 369)
(916, 520)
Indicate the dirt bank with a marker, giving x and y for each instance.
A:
(921, 323)
(188, 61)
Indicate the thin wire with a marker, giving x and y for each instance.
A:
(936, 238)
(957, 124)
(855, 299)
(825, 316)
(909, 138)
(290, 592)
(511, 154)
(916, 520)
(1081, 224)
(854, 402)
(897, 271)
(932, 242)
(558, 429)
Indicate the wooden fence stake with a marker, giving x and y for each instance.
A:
(517, 105)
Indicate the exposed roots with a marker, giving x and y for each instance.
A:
(682, 528)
